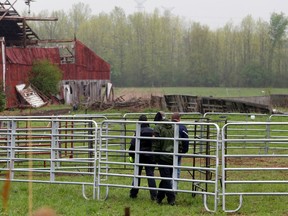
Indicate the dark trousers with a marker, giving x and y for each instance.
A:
(165, 172)
(149, 172)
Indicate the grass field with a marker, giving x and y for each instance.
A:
(67, 200)
(203, 91)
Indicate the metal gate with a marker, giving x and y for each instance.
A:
(239, 160)
(49, 150)
(254, 160)
(115, 171)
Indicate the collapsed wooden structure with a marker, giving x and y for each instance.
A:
(14, 28)
(189, 103)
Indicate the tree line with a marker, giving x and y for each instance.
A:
(160, 49)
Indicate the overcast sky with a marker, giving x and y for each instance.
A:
(214, 13)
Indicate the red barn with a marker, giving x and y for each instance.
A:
(84, 72)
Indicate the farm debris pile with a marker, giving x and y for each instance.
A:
(131, 103)
(120, 103)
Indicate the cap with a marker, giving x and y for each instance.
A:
(142, 118)
(159, 116)
(175, 116)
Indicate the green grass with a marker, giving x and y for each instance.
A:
(206, 91)
(67, 200)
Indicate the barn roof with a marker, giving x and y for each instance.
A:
(14, 27)
(26, 56)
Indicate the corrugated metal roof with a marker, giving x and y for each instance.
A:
(26, 56)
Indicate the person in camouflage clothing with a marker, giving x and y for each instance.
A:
(164, 130)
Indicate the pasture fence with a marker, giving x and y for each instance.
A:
(52, 150)
(112, 174)
(230, 155)
(247, 170)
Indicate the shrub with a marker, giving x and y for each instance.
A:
(45, 76)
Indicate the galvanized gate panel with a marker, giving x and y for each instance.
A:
(245, 158)
(116, 171)
(254, 156)
(50, 150)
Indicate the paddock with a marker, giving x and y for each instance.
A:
(231, 155)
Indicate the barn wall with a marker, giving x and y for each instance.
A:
(19, 62)
(88, 67)
(84, 91)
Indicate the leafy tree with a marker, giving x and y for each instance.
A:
(79, 14)
(277, 33)
(161, 49)
(45, 76)
(253, 75)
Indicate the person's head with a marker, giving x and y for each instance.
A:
(143, 118)
(160, 116)
(176, 117)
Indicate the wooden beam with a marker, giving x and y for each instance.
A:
(20, 42)
(56, 41)
(18, 18)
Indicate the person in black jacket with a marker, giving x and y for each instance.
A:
(144, 158)
(183, 133)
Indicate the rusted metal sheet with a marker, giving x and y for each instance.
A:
(90, 65)
(69, 71)
(26, 56)
(15, 75)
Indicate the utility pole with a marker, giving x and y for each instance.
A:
(28, 2)
(140, 5)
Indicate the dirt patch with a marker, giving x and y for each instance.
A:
(132, 100)
(264, 162)
(145, 93)
(36, 112)
(132, 104)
